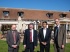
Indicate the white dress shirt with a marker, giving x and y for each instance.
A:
(44, 32)
(57, 25)
(32, 34)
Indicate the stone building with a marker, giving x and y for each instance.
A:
(22, 17)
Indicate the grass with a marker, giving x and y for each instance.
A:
(4, 47)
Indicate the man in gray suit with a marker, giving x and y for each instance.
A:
(13, 39)
(59, 36)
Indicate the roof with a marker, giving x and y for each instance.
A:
(30, 14)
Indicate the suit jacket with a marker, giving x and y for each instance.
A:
(26, 40)
(10, 39)
(47, 37)
(61, 35)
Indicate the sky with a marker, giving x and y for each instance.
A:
(54, 5)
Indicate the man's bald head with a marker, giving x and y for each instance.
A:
(13, 27)
(57, 21)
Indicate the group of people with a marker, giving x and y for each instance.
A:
(31, 37)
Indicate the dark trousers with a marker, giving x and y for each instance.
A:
(57, 48)
(45, 47)
(13, 50)
(30, 48)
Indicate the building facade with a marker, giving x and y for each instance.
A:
(22, 17)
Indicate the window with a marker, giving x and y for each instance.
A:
(20, 14)
(49, 15)
(6, 13)
(63, 15)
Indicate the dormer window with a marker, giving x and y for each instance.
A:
(20, 14)
(49, 15)
(5, 13)
(63, 15)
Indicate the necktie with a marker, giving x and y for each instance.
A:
(30, 36)
(14, 37)
(56, 32)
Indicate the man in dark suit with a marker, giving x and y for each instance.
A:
(13, 39)
(59, 36)
(30, 38)
(44, 38)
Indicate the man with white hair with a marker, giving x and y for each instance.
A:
(30, 38)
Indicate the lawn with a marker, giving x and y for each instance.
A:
(4, 48)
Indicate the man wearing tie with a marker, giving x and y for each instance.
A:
(44, 38)
(13, 39)
(59, 36)
(30, 38)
